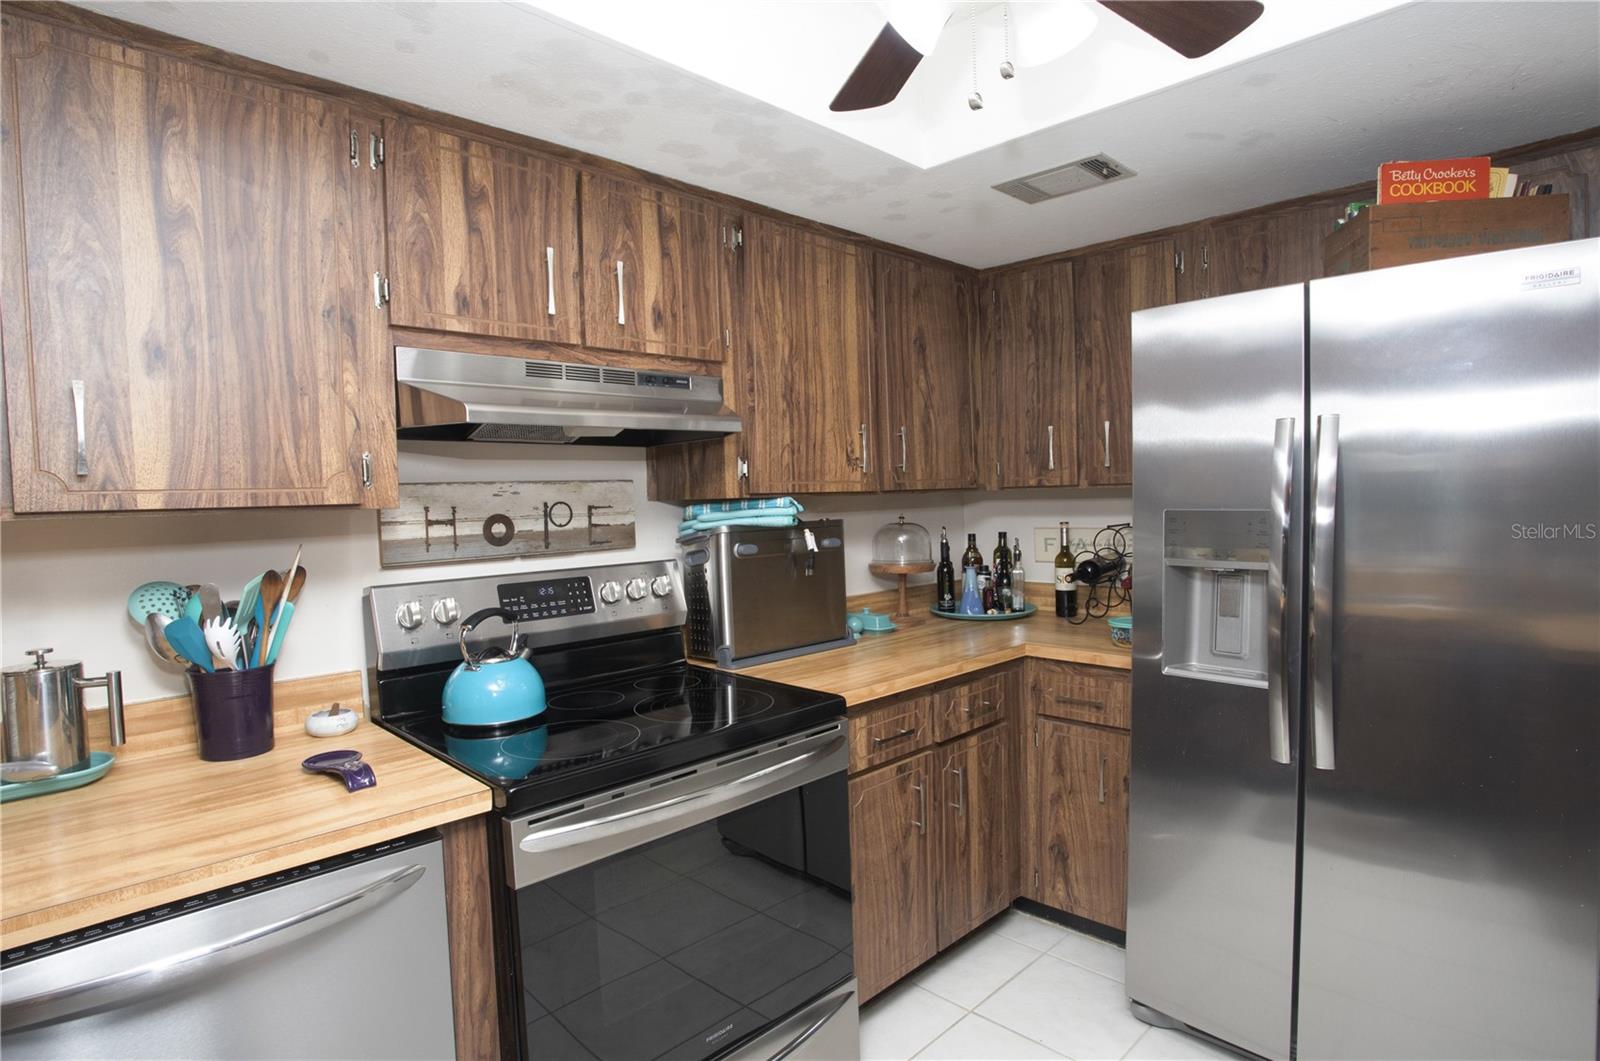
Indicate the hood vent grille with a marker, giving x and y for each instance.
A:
(1053, 183)
(579, 373)
(626, 377)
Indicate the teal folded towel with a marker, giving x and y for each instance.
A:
(737, 519)
(755, 504)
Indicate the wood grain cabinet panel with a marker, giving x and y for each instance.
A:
(925, 411)
(1030, 378)
(893, 843)
(1098, 695)
(189, 274)
(978, 837)
(1109, 288)
(1081, 795)
(808, 329)
(483, 237)
(959, 709)
(654, 270)
(1264, 250)
(886, 733)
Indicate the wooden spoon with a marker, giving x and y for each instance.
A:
(271, 592)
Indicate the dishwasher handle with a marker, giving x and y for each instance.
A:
(119, 987)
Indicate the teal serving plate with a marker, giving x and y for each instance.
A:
(99, 763)
(1027, 610)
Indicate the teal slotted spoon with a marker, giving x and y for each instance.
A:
(162, 598)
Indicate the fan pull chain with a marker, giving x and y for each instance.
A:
(1007, 71)
(975, 99)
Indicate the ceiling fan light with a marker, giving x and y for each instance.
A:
(918, 21)
(1047, 31)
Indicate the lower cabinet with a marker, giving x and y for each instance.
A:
(977, 868)
(1080, 800)
(893, 844)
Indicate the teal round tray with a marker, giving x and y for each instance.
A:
(1027, 610)
(99, 763)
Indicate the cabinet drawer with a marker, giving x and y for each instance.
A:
(1085, 694)
(962, 708)
(888, 732)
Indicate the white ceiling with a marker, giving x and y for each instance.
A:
(1418, 81)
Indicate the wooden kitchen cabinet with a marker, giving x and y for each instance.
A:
(1108, 288)
(657, 270)
(978, 834)
(1263, 250)
(1030, 408)
(893, 844)
(189, 312)
(483, 236)
(808, 333)
(1080, 800)
(924, 349)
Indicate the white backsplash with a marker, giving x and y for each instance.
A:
(64, 581)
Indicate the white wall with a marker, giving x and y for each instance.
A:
(64, 581)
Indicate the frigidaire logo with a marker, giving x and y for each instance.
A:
(1549, 532)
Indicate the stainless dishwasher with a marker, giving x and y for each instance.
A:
(343, 958)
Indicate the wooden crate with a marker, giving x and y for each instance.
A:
(1406, 233)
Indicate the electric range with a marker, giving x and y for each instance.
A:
(671, 841)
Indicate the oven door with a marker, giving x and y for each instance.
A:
(701, 914)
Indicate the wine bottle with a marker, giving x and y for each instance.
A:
(972, 557)
(1002, 576)
(946, 577)
(986, 588)
(1066, 585)
(1019, 577)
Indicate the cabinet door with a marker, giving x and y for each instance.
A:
(483, 237)
(1082, 801)
(1109, 288)
(924, 353)
(1265, 250)
(978, 866)
(1031, 406)
(808, 333)
(654, 271)
(188, 286)
(892, 841)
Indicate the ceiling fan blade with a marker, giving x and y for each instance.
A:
(1191, 28)
(880, 75)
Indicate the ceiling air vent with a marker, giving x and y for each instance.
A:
(1053, 183)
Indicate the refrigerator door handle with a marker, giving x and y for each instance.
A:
(1325, 505)
(1283, 501)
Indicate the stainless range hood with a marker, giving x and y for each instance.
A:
(443, 394)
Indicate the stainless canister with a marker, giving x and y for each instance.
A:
(42, 708)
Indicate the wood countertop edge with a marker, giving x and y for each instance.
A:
(83, 911)
(869, 695)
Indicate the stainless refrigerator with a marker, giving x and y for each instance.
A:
(1365, 799)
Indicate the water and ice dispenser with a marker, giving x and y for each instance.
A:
(1214, 595)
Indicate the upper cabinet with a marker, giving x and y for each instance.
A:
(656, 270)
(1030, 380)
(1108, 289)
(1261, 250)
(189, 312)
(808, 300)
(483, 237)
(925, 333)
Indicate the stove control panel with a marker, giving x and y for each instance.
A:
(554, 607)
(549, 598)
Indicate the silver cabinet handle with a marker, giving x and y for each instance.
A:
(960, 804)
(891, 738)
(583, 831)
(1050, 438)
(121, 986)
(1282, 505)
(1102, 779)
(622, 312)
(1107, 443)
(366, 470)
(77, 416)
(902, 447)
(1324, 527)
(866, 464)
(550, 280)
(921, 820)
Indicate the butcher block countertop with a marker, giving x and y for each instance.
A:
(164, 825)
(926, 649)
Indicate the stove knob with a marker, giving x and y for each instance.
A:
(661, 586)
(446, 611)
(409, 615)
(637, 589)
(611, 592)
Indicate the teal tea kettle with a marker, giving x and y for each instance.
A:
(494, 687)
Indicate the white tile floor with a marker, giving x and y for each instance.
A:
(1020, 987)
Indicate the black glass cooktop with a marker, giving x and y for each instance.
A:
(600, 733)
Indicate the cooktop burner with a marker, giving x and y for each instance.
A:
(598, 733)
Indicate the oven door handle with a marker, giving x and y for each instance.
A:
(788, 1038)
(742, 789)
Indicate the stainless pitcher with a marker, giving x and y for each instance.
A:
(41, 705)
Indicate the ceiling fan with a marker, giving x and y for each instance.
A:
(1191, 28)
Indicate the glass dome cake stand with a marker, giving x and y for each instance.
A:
(900, 550)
